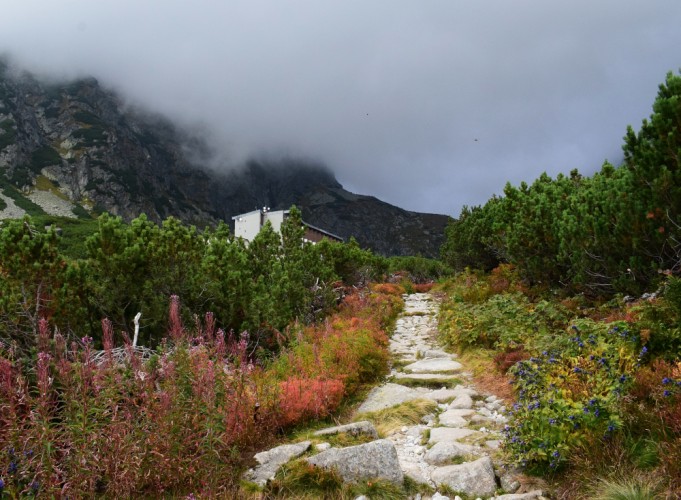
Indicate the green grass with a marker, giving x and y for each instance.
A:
(44, 157)
(625, 489)
(9, 134)
(91, 135)
(300, 480)
(434, 383)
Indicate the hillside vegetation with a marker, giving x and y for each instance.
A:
(237, 343)
(618, 231)
(542, 275)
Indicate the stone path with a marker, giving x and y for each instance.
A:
(452, 449)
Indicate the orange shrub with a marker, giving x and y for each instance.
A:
(423, 287)
(388, 288)
(304, 399)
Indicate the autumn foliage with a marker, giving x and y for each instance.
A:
(126, 422)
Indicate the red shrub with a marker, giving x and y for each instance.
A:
(423, 287)
(388, 288)
(304, 399)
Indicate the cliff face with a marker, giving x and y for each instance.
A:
(103, 156)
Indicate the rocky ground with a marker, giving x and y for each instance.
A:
(52, 204)
(455, 449)
(48, 201)
(11, 211)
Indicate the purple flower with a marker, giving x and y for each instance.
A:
(2, 485)
(623, 379)
(667, 393)
(666, 380)
(12, 467)
(552, 421)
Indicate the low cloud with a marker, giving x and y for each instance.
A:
(427, 105)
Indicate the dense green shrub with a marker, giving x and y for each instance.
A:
(8, 135)
(419, 269)
(570, 396)
(44, 157)
(609, 233)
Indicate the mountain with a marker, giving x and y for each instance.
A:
(79, 144)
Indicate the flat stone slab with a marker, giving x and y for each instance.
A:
(449, 419)
(438, 434)
(530, 495)
(444, 451)
(271, 460)
(388, 395)
(425, 376)
(434, 353)
(375, 460)
(462, 412)
(433, 365)
(354, 429)
(472, 478)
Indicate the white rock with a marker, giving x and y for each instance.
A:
(438, 434)
(472, 478)
(271, 460)
(463, 401)
(448, 419)
(443, 452)
(377, 459)
(433, 365)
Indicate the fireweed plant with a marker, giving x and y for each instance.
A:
(183, 420)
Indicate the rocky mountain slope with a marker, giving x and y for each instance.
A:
(80, 142)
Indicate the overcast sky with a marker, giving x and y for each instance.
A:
(426, 104)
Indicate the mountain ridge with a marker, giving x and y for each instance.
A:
(105, 156)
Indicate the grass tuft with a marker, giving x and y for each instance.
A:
(390, 419)
(299, 479)
(625, 489)
(433, 383)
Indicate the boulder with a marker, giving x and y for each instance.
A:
(472, 478)
(375, 460)
(271, 460)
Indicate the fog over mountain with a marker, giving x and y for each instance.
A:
(427, 105)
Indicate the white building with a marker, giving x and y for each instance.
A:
(248, 225)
